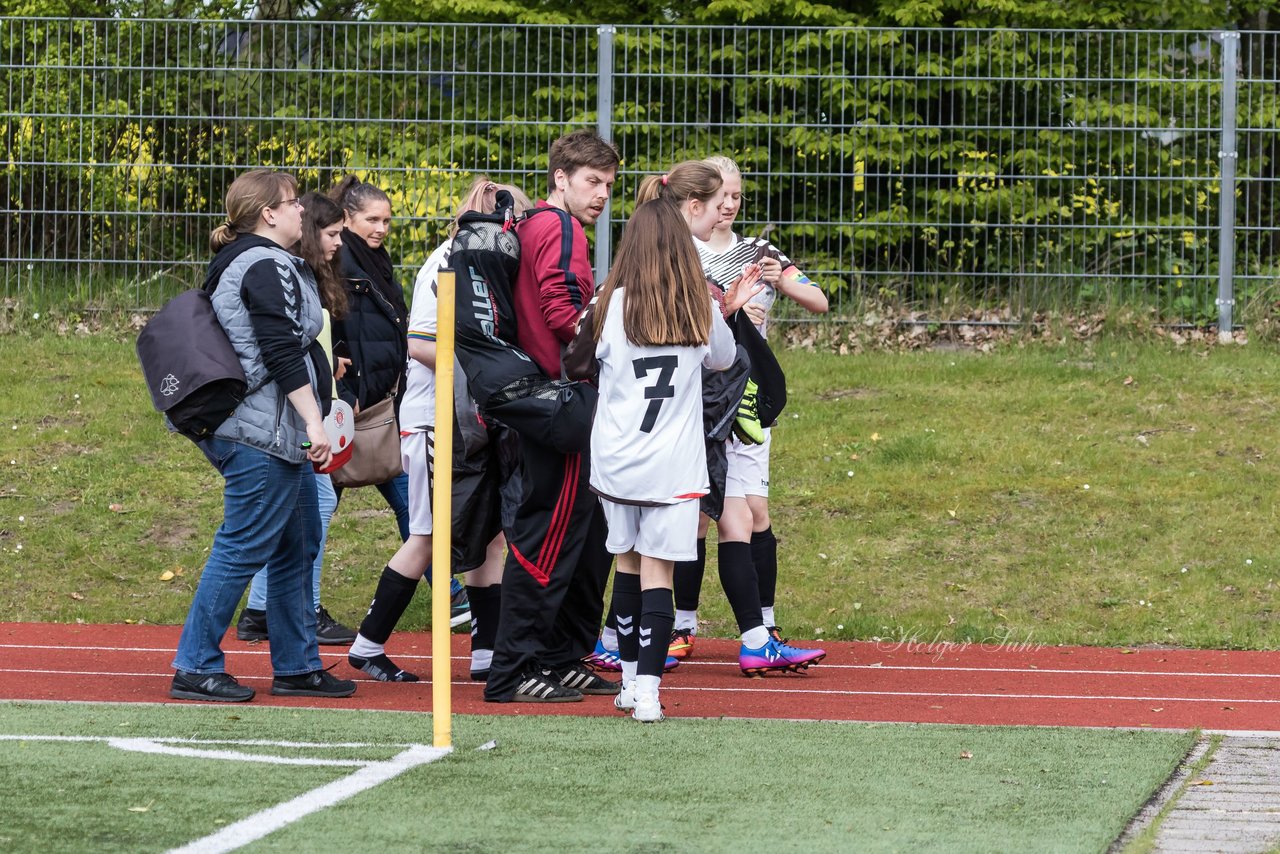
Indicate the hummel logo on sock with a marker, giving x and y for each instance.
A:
(646, 636)
(624, 625)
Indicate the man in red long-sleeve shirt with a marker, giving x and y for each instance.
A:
(557, 565)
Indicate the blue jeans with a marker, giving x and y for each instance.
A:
(396, 492)
(328, 503)
(269, 518)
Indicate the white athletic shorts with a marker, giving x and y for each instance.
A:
(417, 454)
(667, 532)
(748, 467)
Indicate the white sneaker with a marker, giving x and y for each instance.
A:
(625, 701)
(648, 709)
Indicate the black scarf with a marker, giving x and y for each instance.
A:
(375, 262)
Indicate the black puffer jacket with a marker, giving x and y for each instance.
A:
(373, 334)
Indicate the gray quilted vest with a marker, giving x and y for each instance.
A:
(265, 419)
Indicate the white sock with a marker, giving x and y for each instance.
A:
(362, 647)
(647, 686)
(609, 639)
(755, 638)
(686, 621)
(481, 659)
(767, 614)
(629, 671)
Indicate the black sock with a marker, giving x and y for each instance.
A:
(764, 554)
(688, 578)
(657, 616)
(611, 619)
(738, 578)
(486, 603)
(627, 604)
(393, 595)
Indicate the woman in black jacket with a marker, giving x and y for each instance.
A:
(374, 332)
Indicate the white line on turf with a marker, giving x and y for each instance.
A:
(148, 745)
(294, 744)
(302, 745)
(370, 773)
(267, 821)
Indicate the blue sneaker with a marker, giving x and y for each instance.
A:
(607, 660)
(604, 659)
(777, 657)
(459, 605)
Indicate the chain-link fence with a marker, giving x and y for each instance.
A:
(938, 169)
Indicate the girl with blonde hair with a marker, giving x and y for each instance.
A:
(746, 505)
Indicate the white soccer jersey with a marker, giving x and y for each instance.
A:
(723, 267)
(647, 444)
(418, 408)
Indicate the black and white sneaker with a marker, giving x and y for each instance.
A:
(381, 668)
(580, 677)
(329, 632)
(544, 687)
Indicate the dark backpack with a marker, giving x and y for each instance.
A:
(191, 369)
(507, 385)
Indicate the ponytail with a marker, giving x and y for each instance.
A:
(691, 179)
(245, 199)
(221, 236)
(353, 195)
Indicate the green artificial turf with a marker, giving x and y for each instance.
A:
(567, 783)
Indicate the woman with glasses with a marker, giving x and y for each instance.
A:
(321, 237)
(266, 301)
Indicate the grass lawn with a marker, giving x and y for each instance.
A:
(560, 783)
(1113, 493)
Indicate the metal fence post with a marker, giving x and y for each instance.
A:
(1227, 192)
(604, 126)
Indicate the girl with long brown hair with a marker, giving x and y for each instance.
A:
(655, 327)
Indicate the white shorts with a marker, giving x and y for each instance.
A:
(748, 467)
(667, 532)
(417, 454)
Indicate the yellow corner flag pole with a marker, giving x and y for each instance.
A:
(442, 517)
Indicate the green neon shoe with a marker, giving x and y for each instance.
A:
(747, 426)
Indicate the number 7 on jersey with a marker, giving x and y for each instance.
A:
(661, 389)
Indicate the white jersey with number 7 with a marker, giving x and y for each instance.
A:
(647, 442)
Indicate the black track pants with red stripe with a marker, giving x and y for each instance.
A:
(556, 571)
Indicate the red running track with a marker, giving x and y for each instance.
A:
(912, 682)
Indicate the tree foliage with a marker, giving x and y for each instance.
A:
(893, 162)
